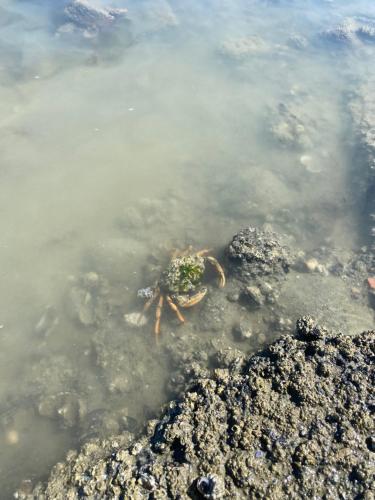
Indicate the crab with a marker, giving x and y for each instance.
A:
(180, 284)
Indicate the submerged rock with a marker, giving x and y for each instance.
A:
(297, 41)
(135, 319)
(352, 31)
(240, 48)
(81, 15)
(292, 421)
(88, 301)
(291, 127)
(65, 407)
(255, 253)
(342, 33)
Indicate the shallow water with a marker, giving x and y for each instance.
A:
(167, 130)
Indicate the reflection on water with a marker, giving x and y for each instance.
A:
(124, 136)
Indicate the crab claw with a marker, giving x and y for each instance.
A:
(219, 269)
(190, 301)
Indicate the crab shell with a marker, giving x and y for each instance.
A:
(171, 281)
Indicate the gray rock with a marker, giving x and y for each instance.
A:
(293, 420)
(254, 296)
(291, 127)
(79, 14)
(366, 33)
(254, 253)
(297, 41)
(242, 332)
(80, 306)
(351, 31)
(135, 319)
(99, 423)
(66, 407)
(233, 296)
(343, 33)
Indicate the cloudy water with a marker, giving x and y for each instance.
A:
(127, 134)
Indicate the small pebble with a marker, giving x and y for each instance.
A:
(310, 165)
(233, 296)
(12, 437)
(262, 338)
(322, 270)
(255, 296)
(242, 332)
(135, 319)
(311, 265)
(355, 292)
(91, 279)
(26, 487)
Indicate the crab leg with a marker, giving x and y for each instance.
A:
(174, 308)
(150, 301)
(218, 268)
(148, 304)
(203, 252)
(159, 308)
(195, 299)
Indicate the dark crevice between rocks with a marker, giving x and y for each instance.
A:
(179, 451)
(295, 396)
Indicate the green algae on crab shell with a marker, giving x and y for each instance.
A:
(183, 274)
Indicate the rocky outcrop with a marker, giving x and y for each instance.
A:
(292, 421)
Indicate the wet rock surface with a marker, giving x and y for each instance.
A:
(80, 15)
(293, 420)
(290, 126)
(352, 31)
(257, 253)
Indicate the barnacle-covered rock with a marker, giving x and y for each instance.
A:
(352, 31)
(292, 421)
(255, 253)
